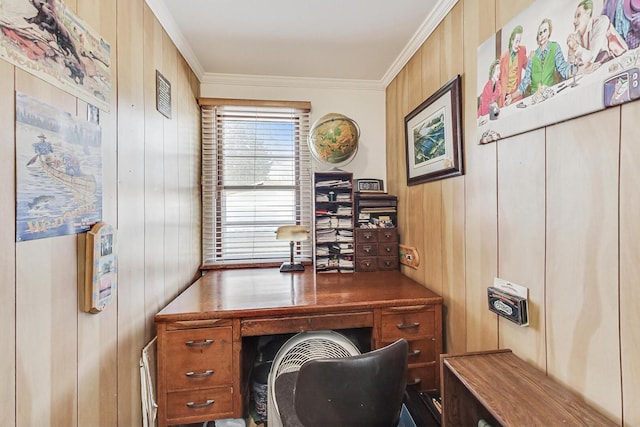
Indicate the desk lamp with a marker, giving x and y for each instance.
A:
(292, 233)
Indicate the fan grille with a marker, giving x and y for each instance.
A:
(309, 349)
(299, 349)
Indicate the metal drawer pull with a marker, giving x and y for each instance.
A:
(416, 381)
(194, 405)
(368, 236)
(199, 343)
(415, 353)
(206, 373)
(405, 326)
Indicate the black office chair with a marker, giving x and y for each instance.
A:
(364, 390)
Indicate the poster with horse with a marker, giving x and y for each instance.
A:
(46, 39)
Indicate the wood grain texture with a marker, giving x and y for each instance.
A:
(7, 247)
(506, 391)
(521, 233)
(62, 366)
(481, 250)
(97, 334)
(415, 215)
(131, 218)
(629, 265)
(264, 301)
(506, 10)
(452, 205)
(400, 171)
(582, 257)
(46, 381)
(173, 283)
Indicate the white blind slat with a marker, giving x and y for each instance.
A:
(256, 170)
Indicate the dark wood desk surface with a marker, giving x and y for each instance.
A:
(261, 292)
(203, 330)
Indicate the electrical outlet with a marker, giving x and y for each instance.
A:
(409, 256)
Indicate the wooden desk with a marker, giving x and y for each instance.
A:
(504, 390)
(204, 356)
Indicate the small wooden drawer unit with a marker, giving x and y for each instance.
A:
(421, 326)
(377, 249)
(198, 383)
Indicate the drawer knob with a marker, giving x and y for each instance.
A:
(407, 326)
(198, 343)
(414, 353)
(415, 382)
(388, 249)
(367, 249)
(194, 405)
(206, 373)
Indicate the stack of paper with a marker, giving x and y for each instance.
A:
(324, 236)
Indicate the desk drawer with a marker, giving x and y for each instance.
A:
(422, 377)
(212, 402)
(388, 235)
(388, 263)
(281, 325)
(366, 235)
(420, 351)
(389, 249)
(408, 323)
(366, 249)
(366, 264)
(199, 358)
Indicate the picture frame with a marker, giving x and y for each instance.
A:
(433, 136)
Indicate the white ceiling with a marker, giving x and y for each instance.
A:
(356, 40)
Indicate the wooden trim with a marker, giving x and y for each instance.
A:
(303, 105)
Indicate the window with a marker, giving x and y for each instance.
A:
(256, 176)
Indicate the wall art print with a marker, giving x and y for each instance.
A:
(46, 39)
(433, 135)
(59, 171)
(557, 60)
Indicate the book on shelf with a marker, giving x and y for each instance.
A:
(344, 210)
(334, 183)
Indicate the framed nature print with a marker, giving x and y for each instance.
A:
(433, 135)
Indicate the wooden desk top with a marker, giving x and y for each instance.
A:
(515, 392)
(260, 292)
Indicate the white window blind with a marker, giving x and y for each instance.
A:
(256, 176)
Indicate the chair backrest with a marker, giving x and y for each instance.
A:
(363, 390)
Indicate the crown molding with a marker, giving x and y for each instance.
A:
(290, 82)
(169, 24)
(439, 12)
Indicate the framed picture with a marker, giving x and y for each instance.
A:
(433, 134)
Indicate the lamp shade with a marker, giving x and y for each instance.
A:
(293, 233)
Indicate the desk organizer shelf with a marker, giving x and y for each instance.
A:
(333, 207)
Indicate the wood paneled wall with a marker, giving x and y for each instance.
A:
(554, 209)
(63, 367)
